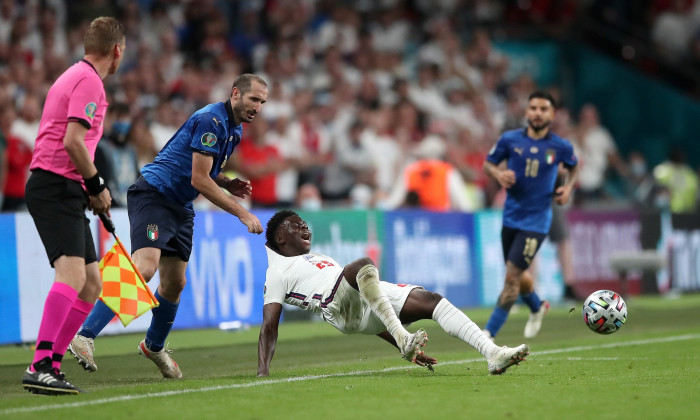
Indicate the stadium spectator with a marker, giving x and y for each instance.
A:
(679, 182)
(438, 186)
(260, 163)
(18, 156)
(115, 156)
(597, 152)
(26, 125)
(355, 301)
(352, 167)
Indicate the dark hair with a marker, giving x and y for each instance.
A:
(244, 82)
(102, 35)
(543, 95)
(274, 223)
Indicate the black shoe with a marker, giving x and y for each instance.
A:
(47, 380)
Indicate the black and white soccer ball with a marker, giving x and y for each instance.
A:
(604, 312)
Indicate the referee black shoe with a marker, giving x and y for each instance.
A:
(47, 380)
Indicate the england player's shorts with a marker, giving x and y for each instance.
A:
(157, 222)
(520, 246)
(57, 205)
(351, 315)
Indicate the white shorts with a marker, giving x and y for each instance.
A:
(351, 315)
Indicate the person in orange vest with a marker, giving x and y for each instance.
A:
(430, 183)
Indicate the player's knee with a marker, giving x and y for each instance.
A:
(173, 287)
(363, 262)
(147, 271)
(431, 298)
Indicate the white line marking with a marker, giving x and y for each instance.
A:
(331, 375)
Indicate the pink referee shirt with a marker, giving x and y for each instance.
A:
(77, 96)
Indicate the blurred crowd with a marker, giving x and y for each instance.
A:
(368, 99)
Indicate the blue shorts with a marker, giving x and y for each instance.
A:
(157, 222)
(520, 246)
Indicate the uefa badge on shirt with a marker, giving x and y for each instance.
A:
(208, 139)
(90, 110)
(152, 232)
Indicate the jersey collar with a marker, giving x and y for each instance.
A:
(229, 113)
(90, 64)
(547, 136)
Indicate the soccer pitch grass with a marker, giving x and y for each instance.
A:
(649, 369)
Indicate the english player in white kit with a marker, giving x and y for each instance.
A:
(354, 300)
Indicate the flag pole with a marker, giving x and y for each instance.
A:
(109, 227)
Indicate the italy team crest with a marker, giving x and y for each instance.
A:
(152, 232)
(208, 139)
(550, 154)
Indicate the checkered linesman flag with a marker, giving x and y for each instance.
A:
(124, 290)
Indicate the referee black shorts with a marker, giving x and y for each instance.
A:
(57, 205)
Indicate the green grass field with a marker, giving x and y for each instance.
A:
(650, 369)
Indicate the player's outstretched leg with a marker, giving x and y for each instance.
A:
(82, 346)
(457, 324)
(368, 285)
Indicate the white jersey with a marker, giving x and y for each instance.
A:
(308, 281)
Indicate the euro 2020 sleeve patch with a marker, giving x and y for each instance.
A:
(208, 139)
(90, 110)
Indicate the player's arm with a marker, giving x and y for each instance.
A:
(563, 192)
(268, 336)
(422, 360)
(504, 177)
(74, 143)
(236, 186)
(202, 182)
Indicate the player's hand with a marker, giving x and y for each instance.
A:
(425, 360)
(562, 194)
(100, 203)
(506, 178)
(239, 188)
(252, 223)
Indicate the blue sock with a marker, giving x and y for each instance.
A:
(162, 322)
(533, 301)
(97, 320)
(498, 318)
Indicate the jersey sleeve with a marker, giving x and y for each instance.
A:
(569, 157)
(499, 151)
(274, 287)
(208, 134)
(82, 103)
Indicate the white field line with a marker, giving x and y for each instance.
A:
(331, 375)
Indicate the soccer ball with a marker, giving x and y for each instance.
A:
(604, 312)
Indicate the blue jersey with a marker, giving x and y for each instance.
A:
(535, 163)
(210, 131)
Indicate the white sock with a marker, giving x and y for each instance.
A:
(457, 324)
(368, 283)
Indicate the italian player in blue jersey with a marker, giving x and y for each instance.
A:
(162, 217)
(533, 155)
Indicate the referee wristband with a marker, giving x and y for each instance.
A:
(95, 185)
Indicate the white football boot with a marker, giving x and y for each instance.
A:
(505, 357)
(162, 359)
(83, 349)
